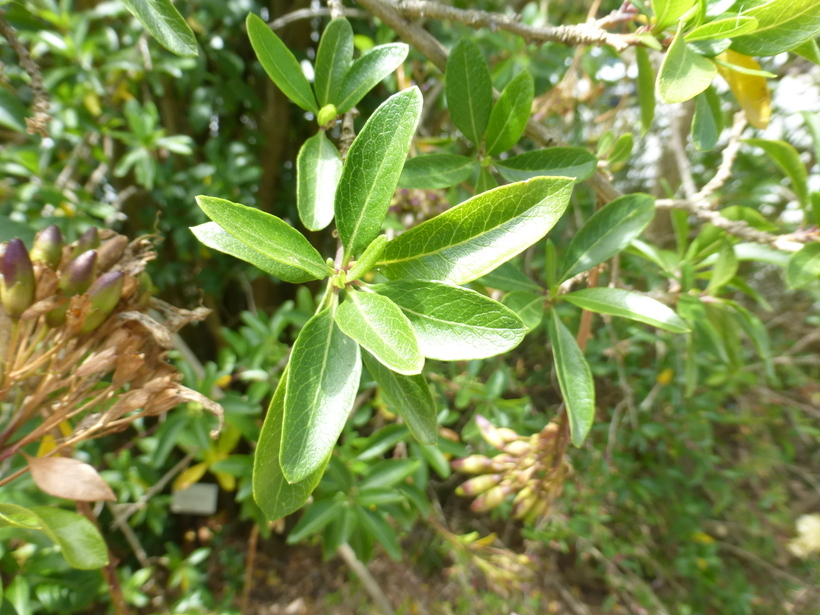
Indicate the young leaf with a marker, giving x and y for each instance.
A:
(684, 74)
(646, 88)
(607, 232)
(556, 161)
(724, 270)
(508, 278)
(510, 114)
(369, 258)
(618, 302)
(528, 306)
(469, 89)
(485, 181)
(314, 520)
(707, 122)
(372, 168)
(667, 12)
(787, 159)
(475, 237)
(409, 396)
(722, 28)
(280, 64)
(333, 60)
(382, 329)
(809, 50)
(274, 494)
(752, 92)
(318, 169)
(367, 72)
(574, 379)
(781, 25)
(453, 323)
(804, 266)
(165, 24)
(322, 380)
(286, 252)
(433, 171)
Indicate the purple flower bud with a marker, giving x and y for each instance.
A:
(18, 279)
(111, 251)
(48, 246)
(104, 294)
(79, 274)
(90, 240)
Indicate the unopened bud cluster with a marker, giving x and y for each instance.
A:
(526, 468)
(414, 206)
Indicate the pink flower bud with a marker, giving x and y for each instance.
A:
(79, 274)
(48, 246)
(104, 294)
(17, 289)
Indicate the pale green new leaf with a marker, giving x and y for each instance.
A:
(722, 28)
(573, 162)
(646, 88)
(454, 323)
(619, 302)
(280, 64)
(611, 229)
(409, 396)
(684, 74)
(667, 12)
(509, 116)
(382, 329)
(434, 171)
(528, 306)
(469, 89)
(287, 253)
(372, 168)
(322, 380)
(809, 50)
(574, 379)
(804, 266)
(333, 59)
(165, 24)
(789, 161)
(475, 237)
(318, 169)
(367, 72)
(371, 255)
(781, 25)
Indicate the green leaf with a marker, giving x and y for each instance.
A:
(789, 161)
(667, 12)
(469, 89)
(382, 329)
(323, 377)
(379, 497)
(573, 162)
(684, 74)
(79, 540)
(621, 151)
(508, 278)
(409, 396)
(509, 116)
(371, 255)
(314, 520)
(722, 28)
(367, 72)
(381, 531)
(611, 229)
(389, 473)
(475, 237)
(280, 64)
(812, 121)
(372, 168)
(528, 306)
(271, 490)
(708, 120)
(485, 181)
(724, 270)
(750, 216)
(318, 169)
(165, 24)
(804, 266)
(433, 171)
(454, 323)
(333, 59)
(574, 379)
(781, 25)
(383, 440)
(809, 50)
(287, 253)
(12, 111)
(618, 302)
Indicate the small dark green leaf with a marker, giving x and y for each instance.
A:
(724, 269)
(509, 116)
(381, 531)
(386, 438)
(573, 162)
(684, 74)
(804, 266)
(314, 520)
(528, 306)
(789, 161)
(367, 72)
(646, 88)
(165, 24)
(389, 473)
(707, 122)
(433, 171)
(618, 302)
(318, 169)
(508, 278)
(469, 89)
(333, 59)
(485, 181)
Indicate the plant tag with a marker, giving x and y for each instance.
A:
(198, 499)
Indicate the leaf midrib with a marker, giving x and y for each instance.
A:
(303, 261)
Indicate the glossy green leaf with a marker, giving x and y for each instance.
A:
(724, 268)
(165, 24)
(379, 497)
(789, 161)
(475, 237)
(618, 302)
(285, 251)
(528, 306)
(809, 50)
(409, 396)
(433, 171)
(573, 162)
(381, 531)
(621, 151)
(333, 60)
(646, 88)
(318, 169)
(574, 379)
(684, 74)
(469, 89)
(314, 520)
(667, 12)
(371, 255)
(508, 278)
(781, 25)
(280, 64)
(372, 168)
(611, 229)
(367, 72)
(722, 28)
(382, 329)
(275, 495)
(804, 266)
(323, 377)
(485, 181)
(389, 473)
(454, 323)
(384, 439)
(510, 113)
(707, 122)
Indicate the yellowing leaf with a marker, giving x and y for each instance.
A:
(751, 91)
(665, 377)
(47, 444)
(702, 538)
(226, 481)
(191, 476)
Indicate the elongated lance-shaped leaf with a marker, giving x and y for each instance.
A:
(286, 251)
(781, 25)
(554, 162)
(369, 258)
(475, 237)
(508, 277)
(165, 24)
(607, 232)
(409, 396)
(787, 159)
(619, 302)
(318, 169)
(323, 377)
(372, 168)
(434, 171)
(509, 116)
(574, 379)
(280, 64)
(804, 266)
(454, 323)
(333, 59)
(380, 326)
(367, 72)
(646, 88)
(469, 89)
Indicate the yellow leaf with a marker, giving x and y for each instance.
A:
(702, 538)
(226, 481)
(665, 377)
(223, 381)
(702, 563)
(191, 476)
(92, 102)
(487, 540)
(47, 444)
(751, 91)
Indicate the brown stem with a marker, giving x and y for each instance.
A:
(109, 572)
(253, 541)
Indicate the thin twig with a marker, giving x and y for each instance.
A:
(337, 8)
(729, 154)
(253, 541)
(370, 584)
(311, 13)
(679, 152)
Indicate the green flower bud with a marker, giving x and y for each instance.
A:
(79, 274)
(17, 289)
(90, 240)
(473, 464)
(104, 294)
(48, 246)
(327, 114)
